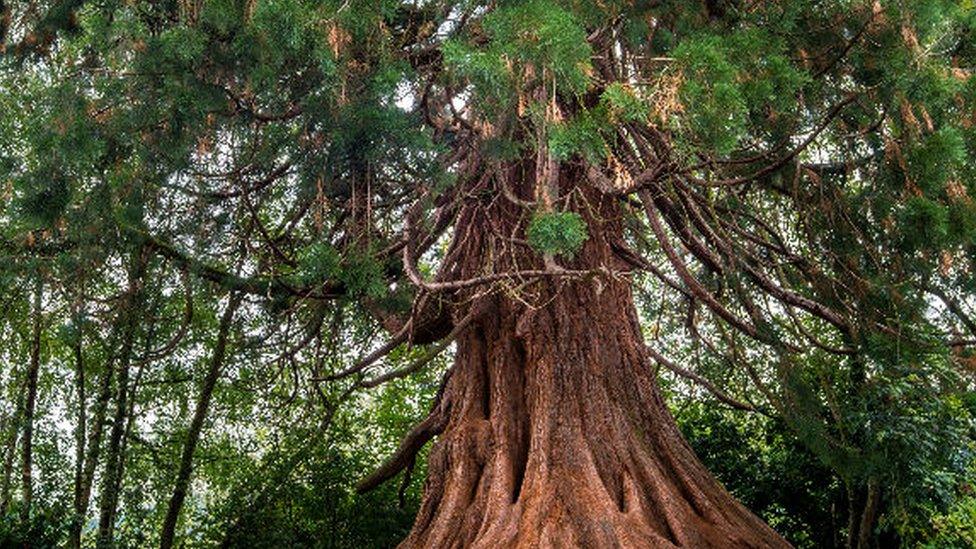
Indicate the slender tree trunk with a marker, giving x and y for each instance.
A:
(130, 414)
(856, 492)
(8, 426)
(92, 455)
(27, 457)
(852, 516)
(10, 453)
(869, 515)
(111, 484)
(834, 528)
(168, 532)
(553, 430)
(74, 541)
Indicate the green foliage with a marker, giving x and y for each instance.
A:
(42, 200)
(955, 528)
(43, 531)
(486, 69)
(316, 505)
(937, 158)
(583, 135)
(767, 468)
(541, 33)
(557, 233)
(735, 80)
(535, 42)
(362, 275)
(319, 263)
(623, 104)
(962, 222)
(590, 132)
(321, 510)
(924, 223)
(717, 109)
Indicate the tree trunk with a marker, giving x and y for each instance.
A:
(91, 457)
(853, 516)
(10, 453)
(554, 431)
(8, 430)
(131, 415)
(27, 457)
(196, 424)
(74, 537)
(869, 515)
(111, 483)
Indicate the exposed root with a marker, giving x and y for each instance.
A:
(407, 452)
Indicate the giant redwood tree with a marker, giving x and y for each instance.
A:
(793, 178)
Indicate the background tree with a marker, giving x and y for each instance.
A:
(785, 188)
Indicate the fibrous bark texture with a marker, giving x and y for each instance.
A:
(555, 433)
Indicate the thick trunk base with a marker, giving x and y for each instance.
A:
(556, 434)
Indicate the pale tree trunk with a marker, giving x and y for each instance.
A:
(553, 432)
(27, 444)
(182, 482)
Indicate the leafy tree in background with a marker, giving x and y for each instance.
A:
(239, 234)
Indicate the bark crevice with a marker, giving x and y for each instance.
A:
(522, 434)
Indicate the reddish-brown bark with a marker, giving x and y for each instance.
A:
(554, 433)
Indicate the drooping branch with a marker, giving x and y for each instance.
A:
(706, 384)
(263, 286)
(643, 264)
(430, 355)
(778, 164)
(954, 307)
(805, 332)
(691, 206)
(400, 337)
(696, 287)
